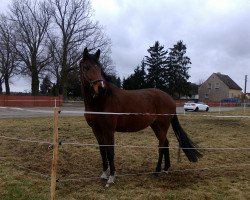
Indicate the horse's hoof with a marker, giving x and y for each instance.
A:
(107, 185)
(165, 171)
(156, 174)
(105, 175)
(111, 180)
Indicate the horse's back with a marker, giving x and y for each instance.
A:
(142, 105)
(150, 100)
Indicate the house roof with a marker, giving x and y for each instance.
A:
(228, 81)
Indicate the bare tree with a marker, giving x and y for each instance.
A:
(31, 20)
(8, 58)
(75, 29)
(1, 82)
(200, 82)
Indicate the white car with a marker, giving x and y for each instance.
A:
(198, 106)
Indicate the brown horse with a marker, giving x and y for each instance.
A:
(102, 96)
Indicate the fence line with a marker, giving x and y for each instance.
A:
(121, 146)
(122, 113)
(28, 100)
(153, 114)
(40, 100)
(153, 147)
(10, 98)
(162, 172)
(26, 169)
(24, 140)
(60, 179)
(27, 110)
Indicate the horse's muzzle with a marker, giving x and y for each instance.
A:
(102, 91)
(99, 89)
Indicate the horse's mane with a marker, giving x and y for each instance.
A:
(106, 76)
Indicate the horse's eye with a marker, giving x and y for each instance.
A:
(86, 68)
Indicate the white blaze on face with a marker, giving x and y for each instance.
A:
(96, 86)
(102, 84)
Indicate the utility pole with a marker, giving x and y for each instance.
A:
(245, 93)
(245, 90)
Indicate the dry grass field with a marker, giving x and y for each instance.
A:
(220, 174)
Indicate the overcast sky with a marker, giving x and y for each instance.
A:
(216, 33)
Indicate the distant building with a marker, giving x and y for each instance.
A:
(218, 87)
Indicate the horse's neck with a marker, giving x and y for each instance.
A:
(97, 104)
(87, 97)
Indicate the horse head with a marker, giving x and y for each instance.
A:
(91, 73)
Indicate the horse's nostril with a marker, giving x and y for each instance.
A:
(101, 90)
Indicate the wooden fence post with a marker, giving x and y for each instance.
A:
(55, 156)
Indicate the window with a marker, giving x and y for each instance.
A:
(217, 85)
(209, 85)
(206, 96)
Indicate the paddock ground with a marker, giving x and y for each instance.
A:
(222, 173)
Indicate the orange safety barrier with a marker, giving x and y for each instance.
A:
(30, 101)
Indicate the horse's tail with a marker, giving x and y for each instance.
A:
(189, 148)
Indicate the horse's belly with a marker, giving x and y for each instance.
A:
(133, 123)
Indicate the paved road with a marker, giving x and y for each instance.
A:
(14, 112)
(10, 112)
(211, 109)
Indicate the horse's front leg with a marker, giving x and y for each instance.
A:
(103, 152)
(109, 141)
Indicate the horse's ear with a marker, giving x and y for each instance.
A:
(85, 52)
(97, 54)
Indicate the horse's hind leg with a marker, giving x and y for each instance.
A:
(160, 131)
(166, 155)
(159, 163)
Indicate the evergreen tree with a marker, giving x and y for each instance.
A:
(137, 79)
(46, 85)
(74, 85)
(168, 72)
(192, 89)
(177, 70)
(156, 62)
(142, 75)
(115, 80)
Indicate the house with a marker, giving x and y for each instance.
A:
(217, 87)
